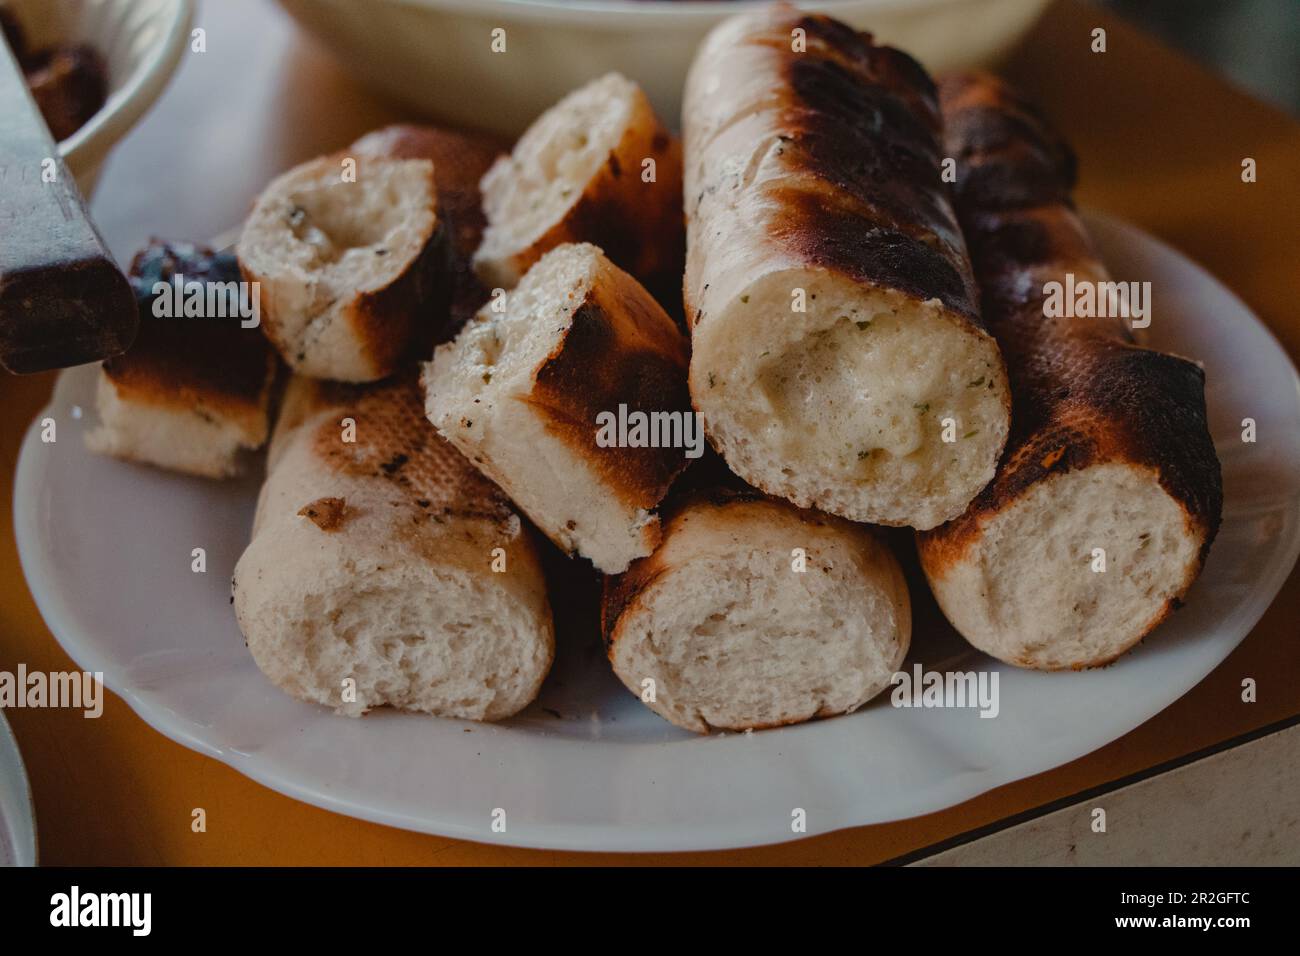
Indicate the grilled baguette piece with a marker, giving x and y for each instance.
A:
(193, 393)
(1110, 447)
(460, 159)
(734, 638)
(521, 392)
(355, 275)
(576, 175)
(813, 183)
(373, 560)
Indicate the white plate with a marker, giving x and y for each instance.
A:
(106, 550)
(17, 816)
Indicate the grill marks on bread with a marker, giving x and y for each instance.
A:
(604, 361)
(1110, 445)
(396, 444)
(857, 146)
(1082, 392)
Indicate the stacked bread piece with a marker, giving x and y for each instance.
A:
(597, 167)
(837, 354)
(353, 263)
(521, 392)
(385, 570)
(754, 613)
(1109, 494)
(193, 393)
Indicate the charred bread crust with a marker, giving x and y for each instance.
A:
(386, 327)
(859, 124)
(408, 457)
(205, 364)
(643, 234)
(1083, 393)
(1008, 155)
(460, 159)
(525, 390)
(644, 240)
(620, 349)
(639, 225)
(399, 323)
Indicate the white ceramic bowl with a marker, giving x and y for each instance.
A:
(141, 42)
(436, 55)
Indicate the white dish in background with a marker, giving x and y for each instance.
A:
(436, 55)
(17, 815)
(141, 42)
(106, 550)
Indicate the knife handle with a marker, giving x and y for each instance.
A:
(63, 300)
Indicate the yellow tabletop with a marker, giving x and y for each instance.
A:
(1160, 142)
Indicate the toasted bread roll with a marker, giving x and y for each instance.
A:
(460, 159)
(735, 636)
(193, 393)
(355, 273)
(837, 353)
(1110, 457)
(529, 393)
(385, 570)
(578, 174)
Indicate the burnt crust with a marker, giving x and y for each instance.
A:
(396, 445)
(855, 126)
(399, 323)
(839, 238)
(620, 348)
(884, 219)
(1082, 392)
(206, 364)
(460, 160)
(328, 514)
(1008, 154)
(639, 226)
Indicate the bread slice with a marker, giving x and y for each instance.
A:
(192, 394)
(1105, 505)
(355, 275)
(733, 636)
(386, 571)
(522, 391)
(460, 160)
(837, 352)
(578, 174)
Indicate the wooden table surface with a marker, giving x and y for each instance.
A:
(1161, 143)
